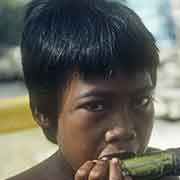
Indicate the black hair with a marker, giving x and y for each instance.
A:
(93, 36)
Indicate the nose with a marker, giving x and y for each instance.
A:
(120, 134)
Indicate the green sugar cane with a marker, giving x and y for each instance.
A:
(154, 165)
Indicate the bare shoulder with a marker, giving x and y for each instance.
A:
(46, 170)
(39, 172)
(30, 174)
(50, 169)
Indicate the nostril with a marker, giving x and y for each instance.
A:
(131, 135)
(120, 134)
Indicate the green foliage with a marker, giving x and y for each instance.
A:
(11, 15)
(11, 3)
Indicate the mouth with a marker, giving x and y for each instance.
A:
(121, 155)
(112, 151)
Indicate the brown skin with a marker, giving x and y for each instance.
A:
(99, 117)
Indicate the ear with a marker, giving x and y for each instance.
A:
(40, 119)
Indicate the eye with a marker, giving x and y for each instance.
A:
(142, 102)
(97, 106)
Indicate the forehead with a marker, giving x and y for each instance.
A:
(119, 83)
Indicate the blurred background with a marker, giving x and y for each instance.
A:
(22, 143)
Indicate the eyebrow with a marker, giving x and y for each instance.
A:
(110, 93)
(97, 93)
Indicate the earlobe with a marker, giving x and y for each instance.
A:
(41, 119)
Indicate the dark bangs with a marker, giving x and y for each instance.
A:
(93, 38)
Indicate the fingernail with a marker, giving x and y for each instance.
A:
(114, 160)
(104, 158)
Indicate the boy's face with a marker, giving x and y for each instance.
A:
(101, 117)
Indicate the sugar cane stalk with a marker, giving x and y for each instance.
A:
(154, 165)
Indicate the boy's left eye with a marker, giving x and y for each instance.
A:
(142, 102)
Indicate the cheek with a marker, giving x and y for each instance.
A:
(78, 138)
(144, 126)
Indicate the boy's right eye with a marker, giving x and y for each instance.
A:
(95, 106)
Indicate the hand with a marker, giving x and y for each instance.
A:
(101, 170)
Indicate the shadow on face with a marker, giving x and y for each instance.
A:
(100, 117)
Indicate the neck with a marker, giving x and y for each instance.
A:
(57, 167)
(67, 172)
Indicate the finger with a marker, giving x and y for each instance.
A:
(83, 172)
(99, 171)
(115, 171)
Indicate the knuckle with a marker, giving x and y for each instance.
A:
(95, 175)
(101, 163)
(81, 173)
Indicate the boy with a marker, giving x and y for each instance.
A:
(90, 69)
